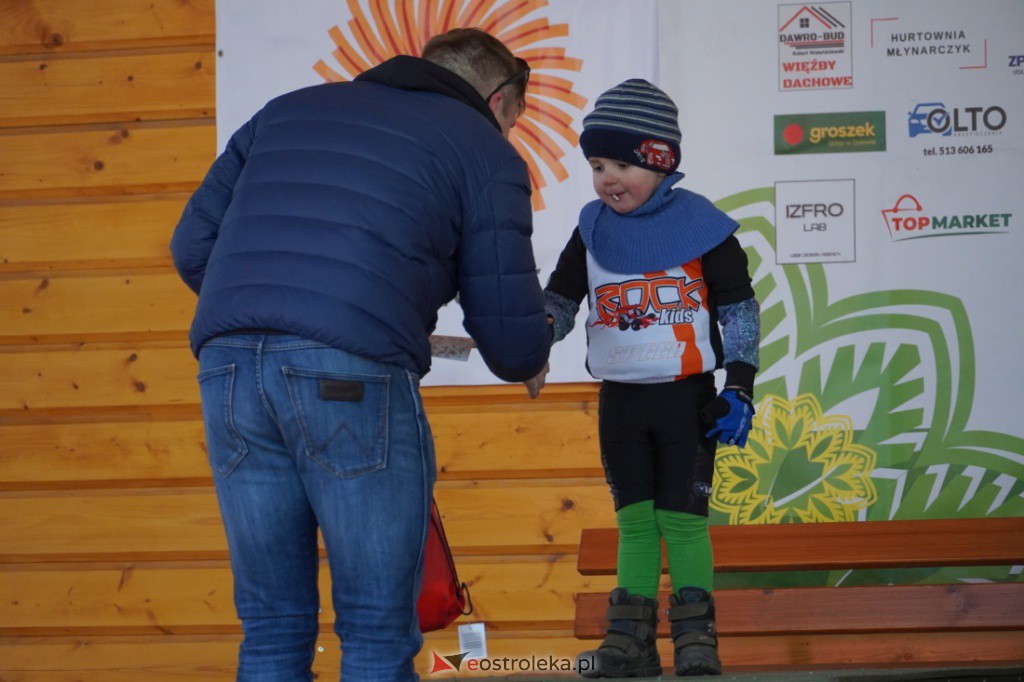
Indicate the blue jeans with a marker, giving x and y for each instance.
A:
(301, 435)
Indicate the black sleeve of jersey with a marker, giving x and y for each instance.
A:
(725, 273)
(570, 276)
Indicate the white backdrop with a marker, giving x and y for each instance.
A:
(723, 61)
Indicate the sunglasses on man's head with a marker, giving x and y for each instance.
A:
(523, 72)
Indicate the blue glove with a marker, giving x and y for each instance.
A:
(730, 415)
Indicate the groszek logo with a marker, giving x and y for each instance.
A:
(852, 131)
(907, 219)
(544, 132)
(935, 118)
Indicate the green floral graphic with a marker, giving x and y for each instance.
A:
(885, 380)
(798, 465)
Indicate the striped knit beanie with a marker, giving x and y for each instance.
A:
(636, 123)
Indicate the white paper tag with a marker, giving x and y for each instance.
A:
(451, 347)
(473, 640)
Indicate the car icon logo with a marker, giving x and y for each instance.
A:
(931, 117)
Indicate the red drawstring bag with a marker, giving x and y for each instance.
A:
(442, 597)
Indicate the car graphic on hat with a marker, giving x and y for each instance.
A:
(657, 153)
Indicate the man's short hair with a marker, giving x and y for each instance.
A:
(478, 57)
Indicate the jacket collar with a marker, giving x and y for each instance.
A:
(414, 73)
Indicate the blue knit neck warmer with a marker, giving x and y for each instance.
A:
(673, 227)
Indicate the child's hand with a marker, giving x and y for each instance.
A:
(730, 415)
(534, 385)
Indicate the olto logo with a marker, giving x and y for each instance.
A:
(936, 118)
(396, 27)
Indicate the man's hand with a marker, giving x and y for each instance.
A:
(534, 385)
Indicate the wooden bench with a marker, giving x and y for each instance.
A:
(885, 625)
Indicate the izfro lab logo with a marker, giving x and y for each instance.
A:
(544, 132)
(935, 118)
(815, 221)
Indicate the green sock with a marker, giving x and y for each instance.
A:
(639, 549)
(688, 545)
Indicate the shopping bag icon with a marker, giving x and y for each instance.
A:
(900, 220)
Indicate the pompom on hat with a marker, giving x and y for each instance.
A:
(636, 123)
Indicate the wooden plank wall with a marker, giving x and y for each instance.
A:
(113, 563)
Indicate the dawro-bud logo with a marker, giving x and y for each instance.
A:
(848, 131)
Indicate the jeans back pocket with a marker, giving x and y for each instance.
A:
(343, 418)
(224, 445)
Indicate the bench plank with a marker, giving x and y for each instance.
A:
(831, 546)
(821, 610)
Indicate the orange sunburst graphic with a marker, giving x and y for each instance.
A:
(395, 27)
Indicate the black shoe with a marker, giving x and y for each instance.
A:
(692, 615)
(628, 650)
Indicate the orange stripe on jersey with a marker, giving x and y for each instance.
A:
(692, 361)
(694, 270)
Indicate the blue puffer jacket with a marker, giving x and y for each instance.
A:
(349, 213)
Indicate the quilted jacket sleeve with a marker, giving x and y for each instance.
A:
(196, 233)
(500, 293)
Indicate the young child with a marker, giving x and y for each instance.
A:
(661, 270)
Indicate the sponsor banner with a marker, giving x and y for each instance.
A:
(853, 131)
(972, 130)
(908, 218)
(884, 352)
(1016, 64)
(807, 207)
(736, 149)
(944, 38)
(815, 51)
(814, 222)
(935, 118)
